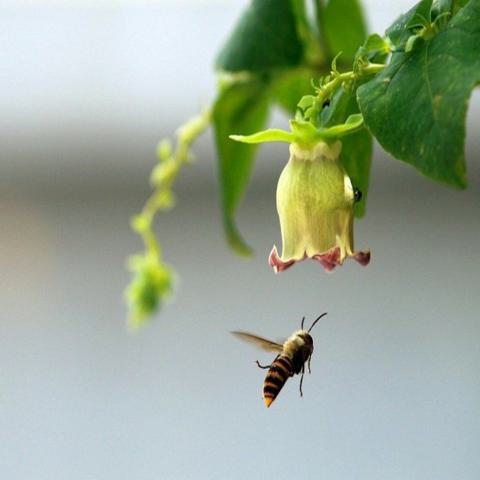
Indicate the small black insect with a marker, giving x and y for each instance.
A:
(357, 194)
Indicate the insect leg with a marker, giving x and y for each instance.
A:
(262, 366)
(266, 366)
(309, 360)
(301, 381)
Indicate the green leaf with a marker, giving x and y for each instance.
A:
(271, 135)
(292, 86)
(457, 5)
(421, 16)
(400, 31)
(356, 157)
(352, 124)
(303, 132)
(241, 108)
(453, 6)
(344, 27)
(306, 102)
(357, 148)
(374, 50)
(416, 107)
(265, 38)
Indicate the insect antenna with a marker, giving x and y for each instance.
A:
(303, 322)
(313, 324)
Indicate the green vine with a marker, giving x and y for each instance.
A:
(153, 279)
(306, 128)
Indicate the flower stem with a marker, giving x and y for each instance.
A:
(162, 197)
(326, 90)
(336, 80)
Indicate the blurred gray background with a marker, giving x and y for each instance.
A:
(86, 91)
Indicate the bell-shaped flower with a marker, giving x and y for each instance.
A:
(315, 200)
(315, 196)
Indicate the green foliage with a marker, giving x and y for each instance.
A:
(152, 281)
(344, 26)
(304, 133)
(291, 86)
(399, 32)
(452, 6)
(456, 5)
(357, 158)
(150, 287)
(374, 50)
(275, 43)
(409, 88)
(416, 107)
(265, 38)
(420, 15)
(241, 107)
(356, 152)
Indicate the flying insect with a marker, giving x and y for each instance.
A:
(292, 356)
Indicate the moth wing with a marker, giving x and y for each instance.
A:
(263, 343)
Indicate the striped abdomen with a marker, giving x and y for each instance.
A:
(277, 375)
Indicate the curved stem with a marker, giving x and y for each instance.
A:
(161, 197)
(326, 90)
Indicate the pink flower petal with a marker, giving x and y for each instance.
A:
(276, 262)
(330, 259)
(363, 258)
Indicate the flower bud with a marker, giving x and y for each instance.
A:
(315, 200)
(151, 286)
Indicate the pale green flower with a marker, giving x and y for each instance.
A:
(315, 200)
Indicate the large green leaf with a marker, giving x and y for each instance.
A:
(357, 159)
(290, 87)
(416, 107)
(374, 50)
(400, 30)
(344, 27)
(265, 38)
(356, 148)
(240, 108)
(449, 5)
